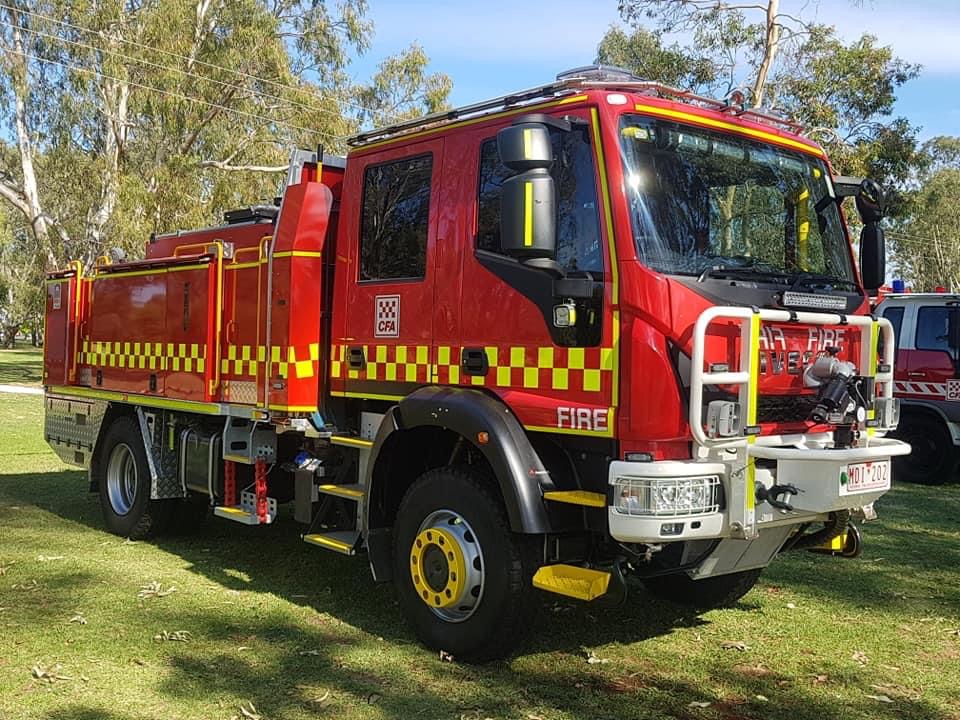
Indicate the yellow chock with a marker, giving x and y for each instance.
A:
(576, 582)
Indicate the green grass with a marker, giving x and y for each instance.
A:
(305, 634)
(22, 366)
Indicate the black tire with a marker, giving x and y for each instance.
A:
(706, 594)
(933, 459)
(501, 614)
(127, 511)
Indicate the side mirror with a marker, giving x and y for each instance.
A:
(873, 256)
(528, 214)
(871, 202)
(953, 328)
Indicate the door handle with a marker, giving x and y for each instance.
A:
(916, 374)
(474, 361)
(355, 358)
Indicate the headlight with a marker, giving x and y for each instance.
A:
(667, 496)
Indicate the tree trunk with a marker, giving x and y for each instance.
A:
(770, 47)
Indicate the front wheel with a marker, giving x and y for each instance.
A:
(706, 594)
(460, 573)
(123, 478)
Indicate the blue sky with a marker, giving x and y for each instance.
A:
(493, 47)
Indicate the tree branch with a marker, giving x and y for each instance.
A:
(225, 165)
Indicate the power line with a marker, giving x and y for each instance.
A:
(170, 93)
(213, 66)
(170, 68)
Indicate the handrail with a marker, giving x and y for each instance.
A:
(747, 377)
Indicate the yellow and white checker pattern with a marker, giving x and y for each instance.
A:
(134, 355)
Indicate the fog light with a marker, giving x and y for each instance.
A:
(667, 496)
(667, 529)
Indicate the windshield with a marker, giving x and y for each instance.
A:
(708, 203)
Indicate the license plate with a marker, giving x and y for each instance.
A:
(865, 476)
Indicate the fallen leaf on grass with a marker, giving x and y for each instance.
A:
(791, 606)
(757, 670)
(761, 698)
(735, 645)
(445, 656)
(78, 619)
(880, 698)
(249, 713)
(48, 558)
(861, 657)
(5, 566)
(28, 586)
(243, 647)
(309, 652)
(820, 679)
(322, 700)
(594, 660)
(48, 675)
(696, 704)
(155, 589)
(175, 636)
(373, 697)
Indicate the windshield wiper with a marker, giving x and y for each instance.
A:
(741, 272)
(809, 279)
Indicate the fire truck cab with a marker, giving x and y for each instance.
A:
(597, 329)
(927, 381)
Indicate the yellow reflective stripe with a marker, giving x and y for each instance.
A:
(729, 127)
(158, 271)
(299, 253)
(527, 143)
(753, 387)
(528, 214)
(145, 400)
(874, 348)
(607, 212)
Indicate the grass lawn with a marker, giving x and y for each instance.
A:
(21, 366)
(267, 620)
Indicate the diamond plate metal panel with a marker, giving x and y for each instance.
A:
(71, 427)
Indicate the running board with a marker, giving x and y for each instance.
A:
(342, 541)
(577, 497)
(572, 581)
(246, 512)
(350, 492)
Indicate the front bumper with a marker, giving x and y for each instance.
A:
(821, 476)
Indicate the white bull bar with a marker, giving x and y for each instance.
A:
(741, 452)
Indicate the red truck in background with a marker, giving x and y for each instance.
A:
(593, 329)
(927, 381)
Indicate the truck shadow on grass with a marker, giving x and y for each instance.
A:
(347, 645)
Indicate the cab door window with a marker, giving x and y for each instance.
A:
(933, 328)
(394, 219)
(578, 219)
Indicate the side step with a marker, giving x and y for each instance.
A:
(341, 541)
(572, 581)
(246, 511)
(350, 492)
(577, 497)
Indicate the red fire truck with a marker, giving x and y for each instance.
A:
(927, 381)
(593, 330)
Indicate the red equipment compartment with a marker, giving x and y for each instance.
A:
(61, 325)
(152, 327)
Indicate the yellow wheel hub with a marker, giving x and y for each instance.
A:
(437, 567)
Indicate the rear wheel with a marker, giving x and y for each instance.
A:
(460, 573)
(123, 477)
(706, 594)
(933, 459)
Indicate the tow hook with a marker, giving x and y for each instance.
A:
(771, 495)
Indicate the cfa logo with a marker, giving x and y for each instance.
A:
(581, 418)
(386, 321)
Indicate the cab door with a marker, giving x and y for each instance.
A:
(932, 367)
(386, 346)
(555, 377)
